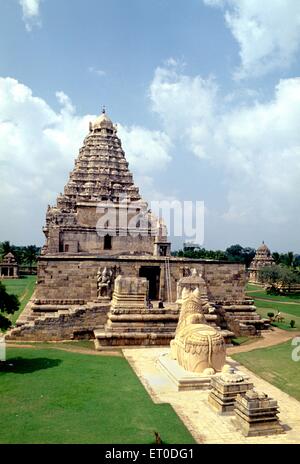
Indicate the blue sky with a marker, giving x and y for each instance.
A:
(206, 94)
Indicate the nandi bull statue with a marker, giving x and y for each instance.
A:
(197, 346)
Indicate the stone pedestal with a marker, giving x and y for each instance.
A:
(183, 379)
(130, 322)
(225, 388)
(256, 414)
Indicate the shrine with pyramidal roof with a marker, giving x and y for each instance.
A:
(106, 255)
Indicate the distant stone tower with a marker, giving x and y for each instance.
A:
(262, 258)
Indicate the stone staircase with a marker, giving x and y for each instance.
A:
(241, 317)
(63, 324)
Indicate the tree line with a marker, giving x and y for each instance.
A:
(280, 278)
(237, 253)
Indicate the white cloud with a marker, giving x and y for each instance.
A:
(268, 32)
(185, 105)
(146, 150)
(38, 146)
(98, 72)
(256, 145)
(31, 13)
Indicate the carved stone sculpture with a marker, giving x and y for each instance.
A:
(197, 347)
(104, 283)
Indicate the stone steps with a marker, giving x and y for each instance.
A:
(33, 324)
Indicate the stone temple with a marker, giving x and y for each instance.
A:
(106, 256)
(262, 258)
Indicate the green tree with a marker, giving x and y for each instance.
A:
(276, 257)
(248, 255)
(270, 275)
(235, 253)
(31, 253)
(288, 278)
(279, 276)
(5, 247)
(289, 259)
(9, 304)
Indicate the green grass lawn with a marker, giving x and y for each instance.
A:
(23, 288)
(293, 298)
(53, 396)
(277, 303)
(238, 341)
(253, 287)
(263, 312)
(292, 310)
(275, 365)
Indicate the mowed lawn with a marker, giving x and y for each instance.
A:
(276, 303)
(53, 396)
(275, 365)
(261, 293)
(23, 288)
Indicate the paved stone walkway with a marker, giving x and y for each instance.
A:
(268, 338)
(204, 424)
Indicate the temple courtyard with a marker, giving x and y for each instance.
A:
(70, 393)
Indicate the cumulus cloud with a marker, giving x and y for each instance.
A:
(186, 105)
(148, 151)
(268, 32)
(38, 146)
(31, 13)
(256, 145)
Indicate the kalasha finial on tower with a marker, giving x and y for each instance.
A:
(103, 109)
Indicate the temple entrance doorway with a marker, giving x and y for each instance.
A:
(152, 274)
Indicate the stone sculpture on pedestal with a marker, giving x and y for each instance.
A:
(104, 283)
(197, 347)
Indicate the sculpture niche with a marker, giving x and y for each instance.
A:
(104, 281)
(197, 347)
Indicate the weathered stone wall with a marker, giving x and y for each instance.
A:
(78, 322)
(84, 241)
(75, 278)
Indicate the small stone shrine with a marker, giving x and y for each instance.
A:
(262, 258)
(225, 388)
(9, 268)
(256, 414)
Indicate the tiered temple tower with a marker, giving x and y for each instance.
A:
(262, 258)
(101, 210)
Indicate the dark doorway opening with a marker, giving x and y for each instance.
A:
(152, 274)
(107, 242)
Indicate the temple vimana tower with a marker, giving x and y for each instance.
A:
(106, 255)
(262, 258)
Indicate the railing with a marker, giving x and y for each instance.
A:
(168, 279)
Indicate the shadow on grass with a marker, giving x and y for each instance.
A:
(27, 366)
